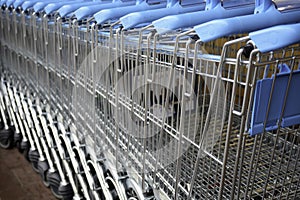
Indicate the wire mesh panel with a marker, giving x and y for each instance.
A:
(272, 154)
(163, 89)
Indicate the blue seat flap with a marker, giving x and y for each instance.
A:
(268, 118)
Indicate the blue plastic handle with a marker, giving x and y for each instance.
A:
(115, 13)
(29, 4)
(9, 3)
(211, 4)
(262, 95)
(69, 8)
(18, 3)
(276, 37)
(136, 18)
(262, 5)
(2, 2)
(39, 6)
(87, 11)
(52, 7)
(244, 24)
(170, 23)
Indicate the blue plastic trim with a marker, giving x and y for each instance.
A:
(29, 4)
(170, 23)
(2, 2)
(291, 115)
(262, 5)
(211, 4)
(115, 13)
(9, 3)
(276, 37)
(52, 7)
(133, 19)
(39, 6)
(171, 3)
(88, 11)
(244, 24)
(72, 7)
(18, 3)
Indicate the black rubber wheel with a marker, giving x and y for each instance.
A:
(55, 192)
(1, 124)
(25, 146)
(43, 168)
(66, 191)
(34, 159)
(54, 183)
(17, 141)
(6, 138)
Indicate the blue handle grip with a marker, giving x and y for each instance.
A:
(219, 28)
(211, 4)
(39, 6)
(69, 8)
(52, 7)
(262, 5)
(170, 23)
(18, 3)
(276, 37)
(136, 18)
(2, 2)
(9, 2)
(87, 11)
(115, 13)
(29, 4)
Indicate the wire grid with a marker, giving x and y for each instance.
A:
(135, 108)
(274, 175)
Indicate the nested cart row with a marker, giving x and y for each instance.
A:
(154, 99)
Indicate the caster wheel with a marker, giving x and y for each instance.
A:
(54, 183)
(55, 192)
(25, 146)
(66, 191)
(1, 124)
(17, 140)
(18, 145)
(43, 168)
(6, 138)
(34, 158)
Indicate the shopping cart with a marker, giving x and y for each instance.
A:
(37, 132)
(265, 164)
(164, 110)
(116, 109)
(218, 111)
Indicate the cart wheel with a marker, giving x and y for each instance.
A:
(1, 124)
(6, 138)
(54, 182)
(17, 140)
(43, 168)
(66, 192)
(18, 145)
(34, 158)
(25, 147)
(55, 192)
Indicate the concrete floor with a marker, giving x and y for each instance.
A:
(18, 181)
